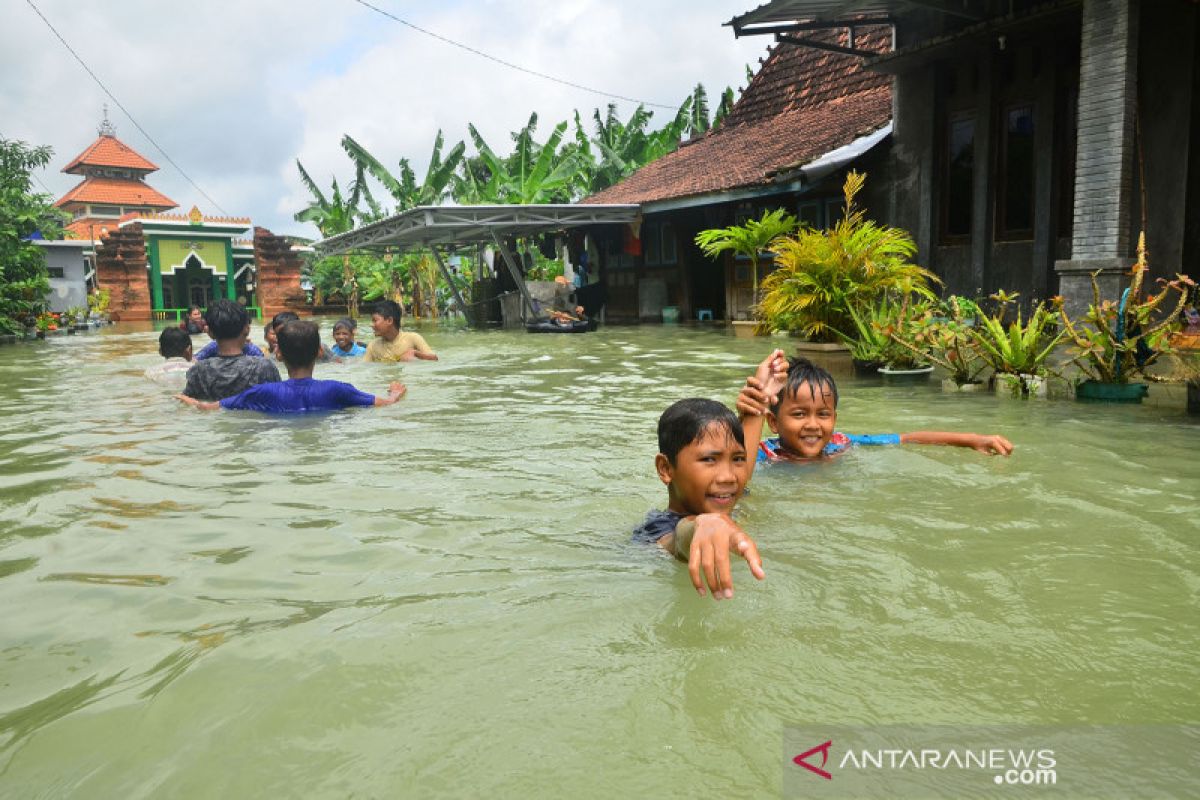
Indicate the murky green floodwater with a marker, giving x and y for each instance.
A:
(439, 598)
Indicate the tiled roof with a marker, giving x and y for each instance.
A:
(109, 151)
(116, 191)
(802, 104)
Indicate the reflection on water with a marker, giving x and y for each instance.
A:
(440, 598)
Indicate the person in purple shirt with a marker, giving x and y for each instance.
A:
(299, 345)
(209, 350)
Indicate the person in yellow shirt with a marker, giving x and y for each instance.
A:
(391, 343)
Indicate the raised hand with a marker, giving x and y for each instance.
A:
(715, 538)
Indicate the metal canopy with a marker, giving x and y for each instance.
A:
(431, 226)
(426, 226)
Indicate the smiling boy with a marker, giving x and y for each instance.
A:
(392, 344)
(802, 409)
(702, 461)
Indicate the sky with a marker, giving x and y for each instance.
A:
(236, 92)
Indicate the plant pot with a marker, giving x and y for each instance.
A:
(1111, 392)
(866, 369)
(1008, 384)
(744, 328)
(910, 375)
(949, 385)
(820, 347)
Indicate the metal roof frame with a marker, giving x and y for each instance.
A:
(430, 226)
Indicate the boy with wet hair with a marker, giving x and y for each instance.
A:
(175, 346)
(801, 407)
(343, 337)
(391, 343)
(299, 345)
(702, 461)
(230, 371)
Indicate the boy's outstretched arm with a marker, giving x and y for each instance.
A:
(705, 542)
(396, 390)
(200, 404)
(984, 443)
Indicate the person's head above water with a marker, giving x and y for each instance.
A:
(227, 320)
(175, 343)
(385, 318)
(805, 412)
(283, 318)
(343, 332)
(299, 343)
(701, 456)
(195, 314)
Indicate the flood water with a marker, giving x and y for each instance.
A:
(439, 598)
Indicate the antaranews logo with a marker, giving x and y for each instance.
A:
(823, 749)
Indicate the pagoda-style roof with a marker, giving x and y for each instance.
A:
(116, 192)
(109, 151)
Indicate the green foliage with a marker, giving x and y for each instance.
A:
(1021, 347)
(947, 341)
(404, 189)
(821, 275)
(748, 239)
(24, 280)
(1112, 347)
(869, 340)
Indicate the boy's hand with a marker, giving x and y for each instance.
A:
(200, 404)
(715, 538)
(763, 387)
(992, 444)
(397, 389)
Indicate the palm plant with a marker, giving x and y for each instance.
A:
(822, 274)
(748, 239)
(333, 215)
(869, 341)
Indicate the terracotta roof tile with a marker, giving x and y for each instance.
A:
(802, 104)
(109, 151)
(116, 191)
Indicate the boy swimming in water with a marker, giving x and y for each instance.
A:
(702, 460)
(299, 346)
(343, 337)
(801, 407)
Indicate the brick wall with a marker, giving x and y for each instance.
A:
(278, 278)
(121, 270)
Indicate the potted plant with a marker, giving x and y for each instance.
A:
(908, 332)
(749, 240)
(1114, 342)
(822, 274)
(869, 344)
(949, 342)
(1017, 352)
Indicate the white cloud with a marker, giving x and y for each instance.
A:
(236, 92)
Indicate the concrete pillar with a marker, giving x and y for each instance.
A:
(1104, 230)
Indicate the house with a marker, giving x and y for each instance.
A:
(805, 118)
(1032, 139)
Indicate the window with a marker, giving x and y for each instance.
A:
(958, 176)
(106, 211)
(1015, 197)
(658, 244)
(835, 209)
(55, 272)
(809, 215)
(669, 253)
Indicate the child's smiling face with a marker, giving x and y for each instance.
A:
(344, 337)
(708, 475)
(805, 420)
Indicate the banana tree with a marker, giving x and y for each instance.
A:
(404, 189)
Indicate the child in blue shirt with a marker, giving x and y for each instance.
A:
(801, 407)
(299, 346)
(343, 337)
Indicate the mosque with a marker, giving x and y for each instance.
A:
(155, 263)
